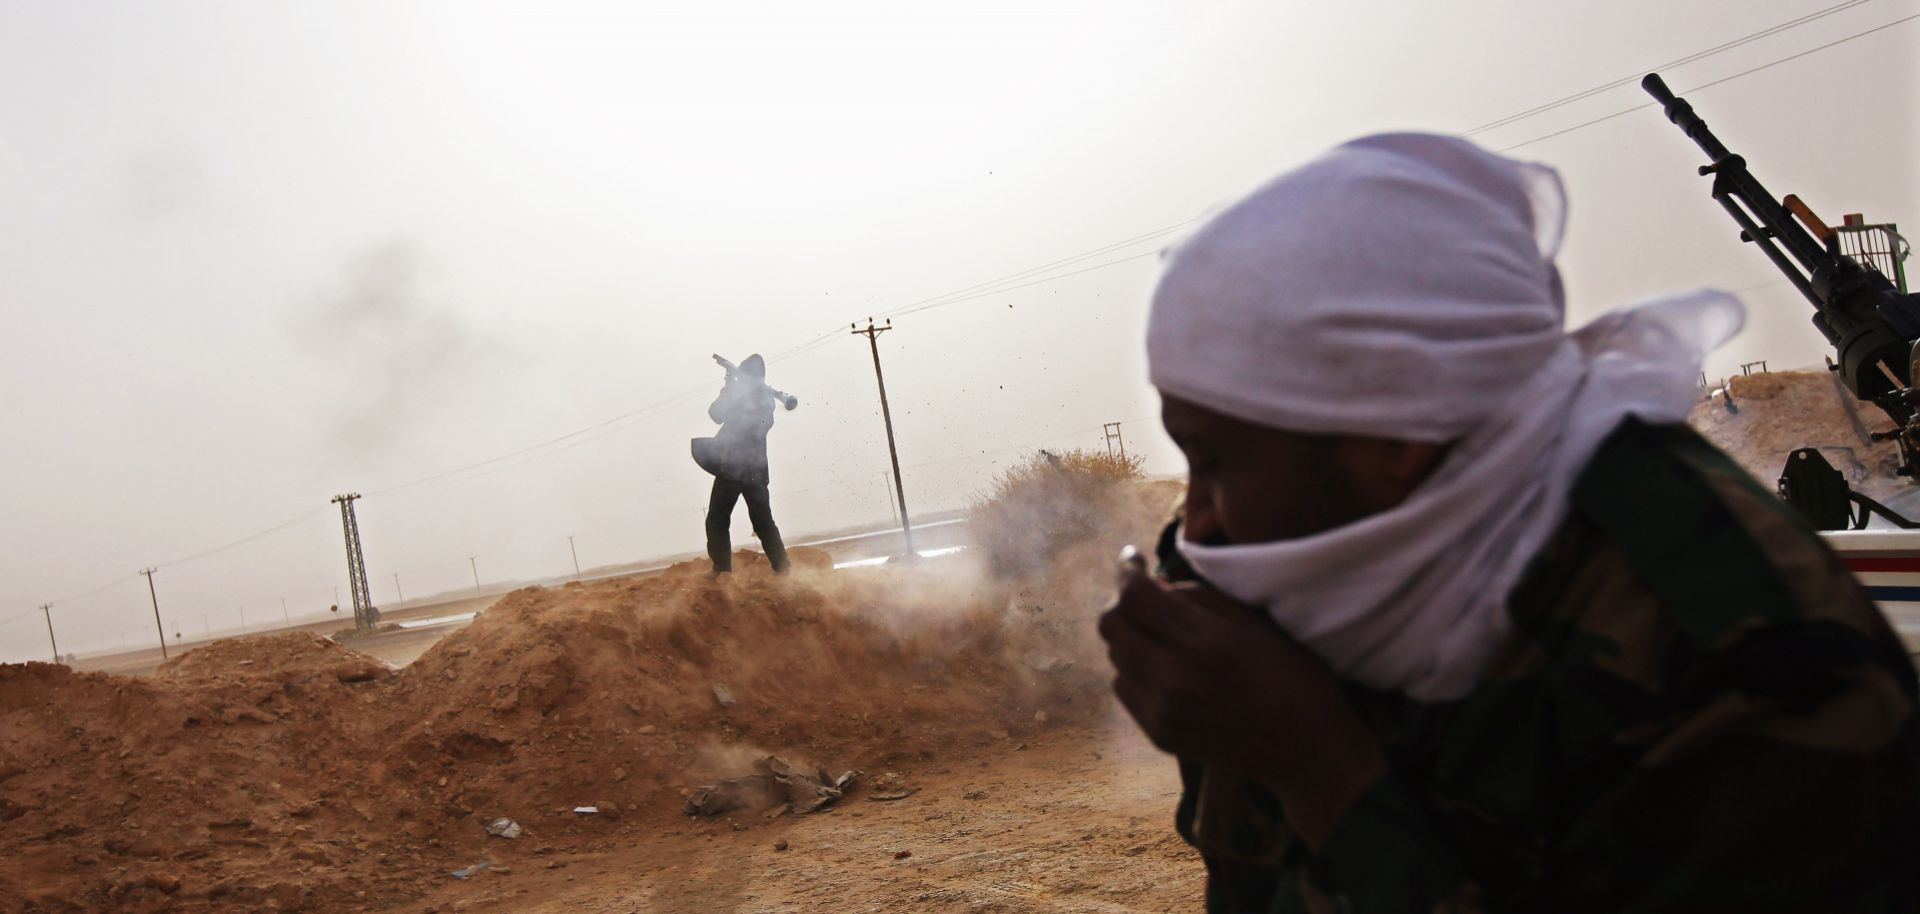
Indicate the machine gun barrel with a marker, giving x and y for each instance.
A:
(1871, 326)
(1762, 218)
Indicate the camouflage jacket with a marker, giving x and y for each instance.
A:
(1699, 710)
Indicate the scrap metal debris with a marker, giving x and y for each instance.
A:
(503, 828)
(776, 786)
(1049, 664)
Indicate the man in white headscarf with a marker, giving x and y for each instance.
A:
(1458, 615)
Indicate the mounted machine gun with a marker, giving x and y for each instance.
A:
(1861, 308)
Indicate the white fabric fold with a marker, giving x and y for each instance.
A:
(1271, 313)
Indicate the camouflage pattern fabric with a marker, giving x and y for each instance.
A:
(1700, 710)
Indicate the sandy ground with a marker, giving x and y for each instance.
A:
(289, 772)
(1078, 823)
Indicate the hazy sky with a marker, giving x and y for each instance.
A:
(258, 254)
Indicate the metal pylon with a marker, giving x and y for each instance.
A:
(364, 615)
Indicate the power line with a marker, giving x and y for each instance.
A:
(977, 290)
(12, 619)
(1683, 61)
(198, 555)
(533, 453)
(996, 286)
(97, 590)
(828, 336)
(1708, 85)
(1100, 266)
(631, 414)
(922, 304)
(245, 539)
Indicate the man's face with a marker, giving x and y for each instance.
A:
(1248, 483)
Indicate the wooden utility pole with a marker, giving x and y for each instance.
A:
(576, 555)
(474, 560)
(1112, 430)
(872, 333)
(886, 482)
(155, 597)
(46, 609)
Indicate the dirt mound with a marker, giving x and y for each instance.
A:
(284, 657)
(118, 793)
(1776, 413)
(286, 772)
(613, 694)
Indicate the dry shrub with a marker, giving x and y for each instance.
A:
(1046, 504)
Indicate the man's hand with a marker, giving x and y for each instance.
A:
(1216, 682)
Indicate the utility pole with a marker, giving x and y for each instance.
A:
(155, 597)
(472, 560)
(1112, 431)
(886, 481)
(283, 612)
(576, 555)
(397, 595)
(364, 614)
(872, 334)
(46, 609)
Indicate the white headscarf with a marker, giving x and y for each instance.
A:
(1402, 286)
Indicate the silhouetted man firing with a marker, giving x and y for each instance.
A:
(737, 458)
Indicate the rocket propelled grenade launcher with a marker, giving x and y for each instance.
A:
(786, 399)
(1871, 323)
